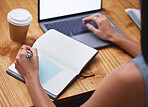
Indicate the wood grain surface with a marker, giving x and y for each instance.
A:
(15, 93)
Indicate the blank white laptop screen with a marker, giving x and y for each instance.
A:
(57, 8)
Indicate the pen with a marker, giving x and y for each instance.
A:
(29, 54)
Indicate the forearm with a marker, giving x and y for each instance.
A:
(132, 47)
(107, 32)
(37, 93)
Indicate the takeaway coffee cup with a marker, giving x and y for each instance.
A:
(19, 21)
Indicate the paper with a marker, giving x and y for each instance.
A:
(47, 69)
(64, 51)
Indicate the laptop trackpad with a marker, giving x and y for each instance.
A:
(91, 39)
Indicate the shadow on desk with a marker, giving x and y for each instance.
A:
(74, 101)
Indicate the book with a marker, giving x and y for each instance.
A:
(135, 15)
(61, 60)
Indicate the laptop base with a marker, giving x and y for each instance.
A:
(89, 38)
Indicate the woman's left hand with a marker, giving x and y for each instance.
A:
(105, 30)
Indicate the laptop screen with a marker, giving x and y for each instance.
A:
(57, 8)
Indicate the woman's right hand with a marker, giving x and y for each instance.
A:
(27, 67)
(105, 31)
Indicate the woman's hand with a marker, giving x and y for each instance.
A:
(105, 30)
(27, 67)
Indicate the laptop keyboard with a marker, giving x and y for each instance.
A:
(70, 27)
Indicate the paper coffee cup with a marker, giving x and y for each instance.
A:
(19, 21)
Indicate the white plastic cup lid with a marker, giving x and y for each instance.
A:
(19, 17)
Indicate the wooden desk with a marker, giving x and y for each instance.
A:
(14, 92)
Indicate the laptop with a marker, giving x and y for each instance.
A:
(66, 17)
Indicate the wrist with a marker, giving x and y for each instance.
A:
(30, 80)
(116, 37)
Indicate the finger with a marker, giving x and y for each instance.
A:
(104, 16)
(22, 53)
(88, 19)
(96, 15)
(25, 47)
(91, 18)
(34, 51)
(92, 28)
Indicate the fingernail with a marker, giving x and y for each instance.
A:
(83, 21)
(88, 25)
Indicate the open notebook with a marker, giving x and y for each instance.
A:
(61, 60)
